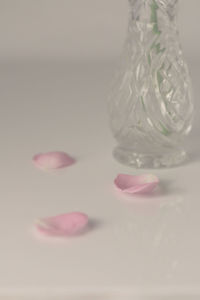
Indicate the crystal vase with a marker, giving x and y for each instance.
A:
(151, 106)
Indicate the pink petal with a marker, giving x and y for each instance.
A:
(52, 160)
(63, 225)
(132, 184)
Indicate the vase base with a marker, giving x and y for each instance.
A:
(141, 160)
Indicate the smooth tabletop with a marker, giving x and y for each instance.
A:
(141, 247)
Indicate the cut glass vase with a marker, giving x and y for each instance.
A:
(151, 105)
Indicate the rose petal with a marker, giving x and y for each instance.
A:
(132, 184)
(63, 225)
(52, 160)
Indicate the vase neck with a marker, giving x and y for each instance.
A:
(154, 11)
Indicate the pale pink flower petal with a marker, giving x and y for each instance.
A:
(52, 160)
(63, 225)
(132, 184)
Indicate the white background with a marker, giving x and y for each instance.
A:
(78, 29)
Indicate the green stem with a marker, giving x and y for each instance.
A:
(158, 50)
(154, 17)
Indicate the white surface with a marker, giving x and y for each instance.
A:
(149, 246)
(136, 250)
